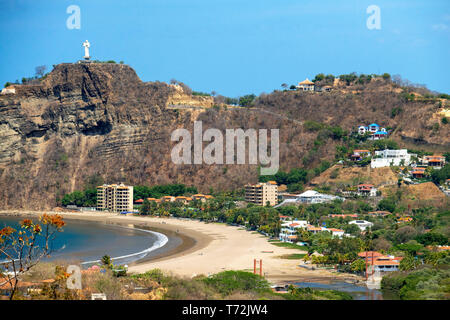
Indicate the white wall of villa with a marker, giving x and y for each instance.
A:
(388, 158)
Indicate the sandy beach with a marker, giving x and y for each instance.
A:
(209, 248)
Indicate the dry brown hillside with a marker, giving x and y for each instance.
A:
(426, 192)
(90, 120)
(354, 175)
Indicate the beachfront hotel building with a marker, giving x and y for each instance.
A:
(262, 193)
(115, 197)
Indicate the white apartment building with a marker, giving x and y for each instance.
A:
(115, 197)
(262, 193)
(388, 158)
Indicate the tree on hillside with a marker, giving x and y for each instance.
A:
(440, 176)
(405, 234)
(247, 100)
(40, 70)
(319, 77)
(432, 238)
(386, 76)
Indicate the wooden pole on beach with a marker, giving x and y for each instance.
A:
(254, 266)
(260, 268)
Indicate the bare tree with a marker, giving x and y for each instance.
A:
(40, 70)
(22, 249)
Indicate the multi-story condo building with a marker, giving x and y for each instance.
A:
(262, 193)
(115, 197)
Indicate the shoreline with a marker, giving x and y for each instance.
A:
(206, 248)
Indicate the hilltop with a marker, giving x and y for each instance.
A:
(99, 121)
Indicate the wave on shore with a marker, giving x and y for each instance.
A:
(160, 242)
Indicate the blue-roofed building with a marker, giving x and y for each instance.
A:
(375, 131)
(374, 127)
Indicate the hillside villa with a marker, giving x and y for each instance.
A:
(374, 130)
(362, 224)
(367, 190)
(359, 154)
(388, 158)
(306, 85)
(436, 162)
(418, 172)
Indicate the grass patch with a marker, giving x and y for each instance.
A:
(293, 256)
(289, 245)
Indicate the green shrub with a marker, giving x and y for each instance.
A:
(229, 281)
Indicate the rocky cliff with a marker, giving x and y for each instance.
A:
(100, 120)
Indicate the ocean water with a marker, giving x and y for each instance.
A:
(86, 242)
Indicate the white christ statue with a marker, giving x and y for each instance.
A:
(86, 46)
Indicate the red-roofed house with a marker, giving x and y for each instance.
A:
(385, 264)
(418, 172)
(367, 190)
(358, 154)
(336, 232)
(434, 161)
(353, 215)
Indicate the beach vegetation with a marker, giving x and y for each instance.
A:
(296, 293)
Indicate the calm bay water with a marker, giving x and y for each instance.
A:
(87, 241)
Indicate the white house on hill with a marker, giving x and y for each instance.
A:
(387, 158)
(306, 85)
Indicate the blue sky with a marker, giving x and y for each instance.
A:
(233, 47)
